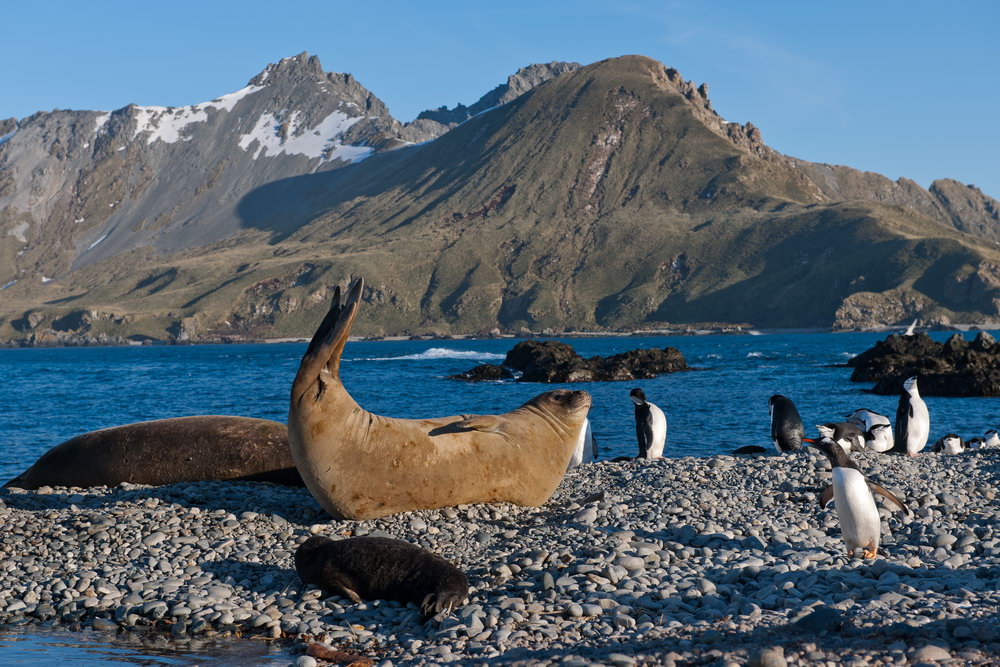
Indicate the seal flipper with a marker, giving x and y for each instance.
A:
(486, 423)
(891, 497)
(328, 322)
(328, 344)
(435, 603)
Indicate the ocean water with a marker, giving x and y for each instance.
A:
(50, 395)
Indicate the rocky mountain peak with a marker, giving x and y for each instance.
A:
(295, 68)
(517, 84)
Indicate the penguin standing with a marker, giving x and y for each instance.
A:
(786, 425)
(913, 422)
(852, 492)
(865, 419)
(650, 426)
(586, 447)
(992, 439)
(949, 444)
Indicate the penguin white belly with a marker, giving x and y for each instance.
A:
(584, 450)
(659, 424)
(859, 520)
(918, 427)
(883, 443)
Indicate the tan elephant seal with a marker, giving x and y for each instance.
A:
(164, 451)
(361, 466)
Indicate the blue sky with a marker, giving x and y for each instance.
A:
(903, 88)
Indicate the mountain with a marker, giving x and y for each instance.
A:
(610, 196)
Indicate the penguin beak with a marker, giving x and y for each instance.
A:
(809, 441)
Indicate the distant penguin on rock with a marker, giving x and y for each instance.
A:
(786, 425)
(865, 419)
(974, 443)
(991, 439)
(586, 447)
(650, 426)
(949, 444)
(851, 492)
(913, 421)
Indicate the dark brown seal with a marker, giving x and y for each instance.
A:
(184, 449)
(381, 568)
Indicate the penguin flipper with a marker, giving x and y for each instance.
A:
(891, 497)
(647, 432)
(826, 496)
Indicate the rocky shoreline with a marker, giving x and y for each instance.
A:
(701, 561)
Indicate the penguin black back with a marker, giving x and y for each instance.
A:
(786, 424)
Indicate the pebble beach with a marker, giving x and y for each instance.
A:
(719, 560)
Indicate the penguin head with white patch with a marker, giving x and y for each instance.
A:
(638, 396)
(825, 430)
(835, 453)
(910, 385)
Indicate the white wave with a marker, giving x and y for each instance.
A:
(755, 355)
(439, 353)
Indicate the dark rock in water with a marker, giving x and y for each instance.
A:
(484, 373)
(552, 361)
(750, 450)
(953, 368)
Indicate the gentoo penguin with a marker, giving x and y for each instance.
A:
(852, 493)
(848, 436)
(786, 425)
(991, 439)
(650, 426)
(949, 444)
(913, 422)
(864, 419)
(879, 438)
(586, 447)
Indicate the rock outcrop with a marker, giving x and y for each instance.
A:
(552, 361)
(953, 368)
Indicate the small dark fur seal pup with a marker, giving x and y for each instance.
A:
(381, 568)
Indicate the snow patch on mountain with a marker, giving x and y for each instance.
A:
(274, 137)
(4, 138)
(166, 123)
(101, 121)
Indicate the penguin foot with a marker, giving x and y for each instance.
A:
(870, 553)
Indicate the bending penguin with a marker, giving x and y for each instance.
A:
(847, 435)
(586, 447)
(879, 438)
(650, 426)
(786, 425)
(852, 492)
(866, 420)
(913, 422)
